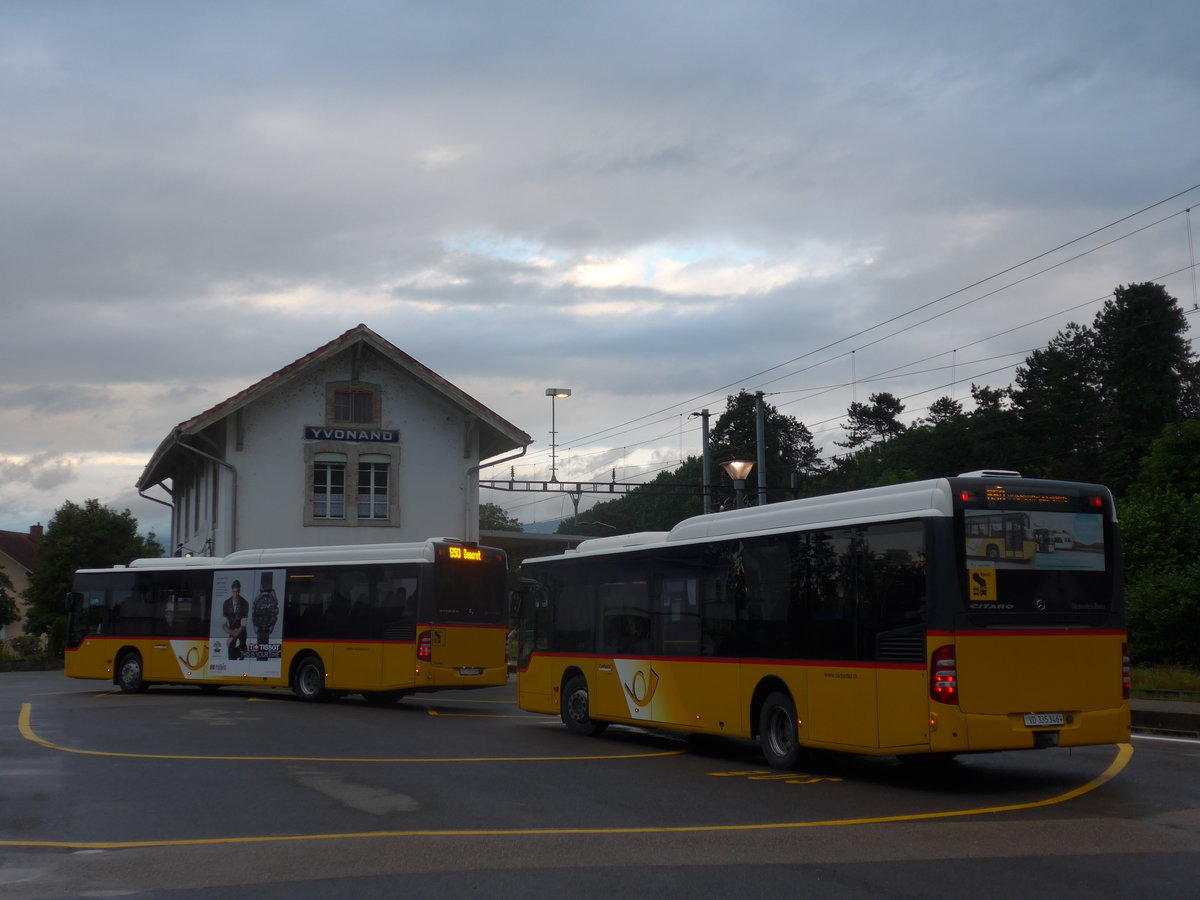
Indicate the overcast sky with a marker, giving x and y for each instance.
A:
(652, 203)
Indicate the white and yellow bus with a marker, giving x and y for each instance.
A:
(857, 622)
(379, 619)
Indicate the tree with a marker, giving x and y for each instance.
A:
(790, 450)
(1060, 406)
(1171, 462)
(8, 603)
(1147, 373)
(492, 517)
(944, 411)
(1160, 534)
(877, 423)
(80, 537)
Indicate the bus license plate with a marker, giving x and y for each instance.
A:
(1041, 720)
(470, 671)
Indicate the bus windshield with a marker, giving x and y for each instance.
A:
(469, 585)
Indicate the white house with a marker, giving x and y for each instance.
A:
(356, 442)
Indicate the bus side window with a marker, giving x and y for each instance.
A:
(893, 593)
(573, 627)
(719, 600)
(624, 617)
(832, 597)
(678, 610)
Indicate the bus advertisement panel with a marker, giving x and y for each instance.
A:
(246, 636)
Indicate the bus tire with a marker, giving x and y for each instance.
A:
(309, 680)
(777, 731)
(574, 707)
(129, 673)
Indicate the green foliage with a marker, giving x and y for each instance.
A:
(8, 603)
(27, 646)
(1175, 679)
(1172, 461)
(79, 537)
(1145, 364)
(1160, 524)
(791, 455)
(878, 422)
(492, 517)
(1164, 616)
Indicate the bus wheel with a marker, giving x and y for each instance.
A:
(309, 681)
(777, 731)
(574, 707)
(129, 673)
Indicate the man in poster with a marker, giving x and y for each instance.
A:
(235, 610)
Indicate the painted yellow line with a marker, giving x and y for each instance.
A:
(1124, 754)
(24, 724)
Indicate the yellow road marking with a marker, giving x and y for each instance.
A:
(1120, 761)
(24, 724)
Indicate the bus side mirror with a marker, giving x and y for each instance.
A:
(74, 600)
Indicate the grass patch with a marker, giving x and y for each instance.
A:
(1167, 682)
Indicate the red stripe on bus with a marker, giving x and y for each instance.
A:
(744, 661)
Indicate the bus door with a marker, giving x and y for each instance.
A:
(397, 592)
(627, 678)
(1014, 536)
(357, 650)
(842, 692)
(688, 692)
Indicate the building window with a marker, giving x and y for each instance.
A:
(329, 486)
(348, 484)
(373, 486)
(354, 406)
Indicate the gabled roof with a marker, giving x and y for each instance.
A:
(19, 547)
(496, 434)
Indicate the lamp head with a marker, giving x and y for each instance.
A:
(738, 469)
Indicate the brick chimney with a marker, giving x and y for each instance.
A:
(35, 533)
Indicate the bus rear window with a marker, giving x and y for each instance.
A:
(1047, 565)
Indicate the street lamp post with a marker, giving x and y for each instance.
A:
(738, 469)
(554, 393)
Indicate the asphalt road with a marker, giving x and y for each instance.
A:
(179, 794)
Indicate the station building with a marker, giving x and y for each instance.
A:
(355, 443)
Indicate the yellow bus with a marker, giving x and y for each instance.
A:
(381, 620)
(856, 622)
(1004, 535)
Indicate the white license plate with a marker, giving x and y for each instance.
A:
(480, 672)
(1040, 720)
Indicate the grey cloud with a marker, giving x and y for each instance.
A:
(43, 472)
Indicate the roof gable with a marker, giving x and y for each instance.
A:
(20, 548)
(497, 435)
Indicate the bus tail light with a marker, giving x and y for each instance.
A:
(425, 647)
(943, 683)
(1126, 677)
